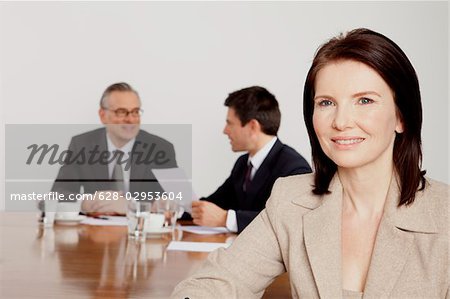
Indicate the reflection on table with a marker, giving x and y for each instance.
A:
(96, 261)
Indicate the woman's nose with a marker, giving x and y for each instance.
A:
(343, 118)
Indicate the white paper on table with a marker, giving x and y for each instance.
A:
(175, 180)
(110, 221)
(204, 230)
(195, 246)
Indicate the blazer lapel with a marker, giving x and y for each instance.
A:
(322, 235)
(394, 242)
(389, 256)
(263, 173)
(137, 170)
(100, 170)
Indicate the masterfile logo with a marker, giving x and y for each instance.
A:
(144, 153)
(35, 155)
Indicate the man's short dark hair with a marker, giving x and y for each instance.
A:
(121, 86)
(256, 103)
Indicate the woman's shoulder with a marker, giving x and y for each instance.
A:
(306, 178)
(295, 184)
(293, 189)
(437, 185)
(435, 192)
(434, 201)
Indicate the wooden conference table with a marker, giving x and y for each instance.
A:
(84, 261)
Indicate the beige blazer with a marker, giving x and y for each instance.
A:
(300, 233)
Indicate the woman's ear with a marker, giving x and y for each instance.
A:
(399, 128)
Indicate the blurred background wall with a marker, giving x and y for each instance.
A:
(184, 58)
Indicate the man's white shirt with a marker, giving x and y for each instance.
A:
(126, 149)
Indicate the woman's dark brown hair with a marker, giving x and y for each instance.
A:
(390, 62)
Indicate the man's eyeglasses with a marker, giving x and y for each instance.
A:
(122, 112)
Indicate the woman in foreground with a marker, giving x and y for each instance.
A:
(367, 223)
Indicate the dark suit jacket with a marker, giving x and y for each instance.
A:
(281, 161)
(87, 170)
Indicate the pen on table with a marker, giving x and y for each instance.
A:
(95, 216)
(100, 217)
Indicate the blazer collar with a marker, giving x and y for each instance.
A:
(392, 247)
(268, 161)
(322, 237)
(262, 175)
(394, 242)
(413, 218)
(100, 170)
(137, 171)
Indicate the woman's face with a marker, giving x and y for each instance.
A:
(355, 115)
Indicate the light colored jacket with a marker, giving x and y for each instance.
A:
(300, 233)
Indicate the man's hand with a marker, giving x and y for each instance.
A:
(208, 214)
(105, 203)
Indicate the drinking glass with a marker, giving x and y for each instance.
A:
(138, 213)
(50, 207)
(171, 211)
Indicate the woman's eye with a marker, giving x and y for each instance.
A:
(325, 103)
(365, 101)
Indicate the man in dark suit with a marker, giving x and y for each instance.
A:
(252, 124)
(115, 162)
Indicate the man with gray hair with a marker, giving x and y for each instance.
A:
(121, 156)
